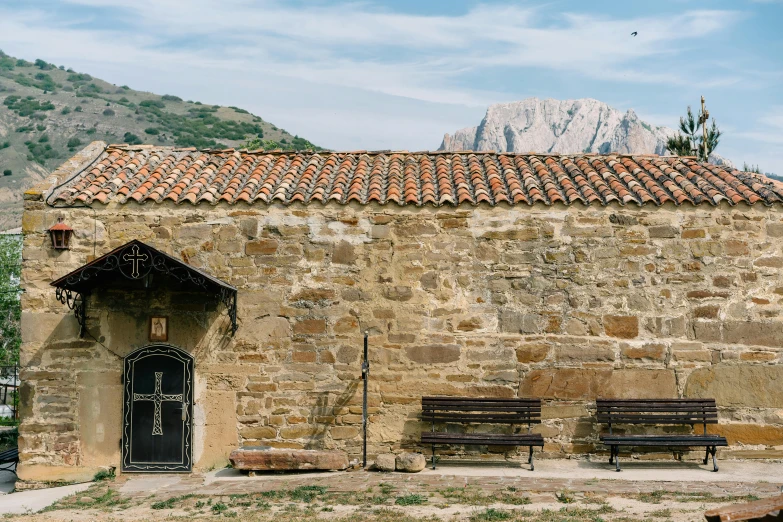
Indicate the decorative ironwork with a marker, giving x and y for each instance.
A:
(158, 399)
(136, 261)
(229, 300)
(76, 302)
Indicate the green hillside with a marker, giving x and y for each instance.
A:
(48, 112)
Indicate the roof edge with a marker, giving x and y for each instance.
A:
(72, 166)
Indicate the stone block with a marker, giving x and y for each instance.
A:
(748, 434)
(532, 353)
(753, 333)
(516, 322)
(343, 432)
(258, 432)
(398, 293)
(277, 459)
(410, 462)
(663, 231)
(433, 353)
(775, 229)
(651, 351)
(758, 386)
(310, 327)
(621, 326)
(344, 254)
(385, 462)
(589, 383)
(584, 353)
(262, 247)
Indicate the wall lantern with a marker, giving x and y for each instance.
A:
(61, 235)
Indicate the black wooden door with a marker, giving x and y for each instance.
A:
(157, 410)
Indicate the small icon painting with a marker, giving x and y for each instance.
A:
(159, 329)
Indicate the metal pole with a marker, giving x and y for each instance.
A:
(365, 377)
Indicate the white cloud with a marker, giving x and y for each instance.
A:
(354, 75)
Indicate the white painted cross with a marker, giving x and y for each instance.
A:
(136, 259)
(157, 398)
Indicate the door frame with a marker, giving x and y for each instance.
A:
(166, 350)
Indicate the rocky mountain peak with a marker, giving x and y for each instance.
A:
(560, 126)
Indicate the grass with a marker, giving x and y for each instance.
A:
(171, 503)
(491, 514)
(414, 499)
(658, 496)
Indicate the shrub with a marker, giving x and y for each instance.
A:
(90, 132)
(40, 128)
(78, 108)
(7, 172)
(43, 65)
(123, 100)
(125, 87)
(131, 139)
(153, 103)
(43, 139)
(79, 77)
(5, 145)
(108, 112)
(74, 142)
(27, 106)
(171, 97)
(152, 131)
(66, 110)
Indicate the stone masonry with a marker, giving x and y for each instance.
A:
(562, 303)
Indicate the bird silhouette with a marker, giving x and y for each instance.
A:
(634, 33)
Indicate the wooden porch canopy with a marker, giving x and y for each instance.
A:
(138, 261)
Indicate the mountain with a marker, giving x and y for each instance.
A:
(49, 112)
(563, 126)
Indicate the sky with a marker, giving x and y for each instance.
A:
(397, 75)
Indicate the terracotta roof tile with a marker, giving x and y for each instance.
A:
(162, 174)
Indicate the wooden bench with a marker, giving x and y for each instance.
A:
(659, 412)
(9, 457)
(472, 410)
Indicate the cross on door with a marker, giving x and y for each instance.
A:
(157, 398)
(135, 259)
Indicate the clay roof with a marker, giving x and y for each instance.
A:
(160, 174)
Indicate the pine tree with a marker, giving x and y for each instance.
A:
(689, 140)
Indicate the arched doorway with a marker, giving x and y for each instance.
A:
(157, 410)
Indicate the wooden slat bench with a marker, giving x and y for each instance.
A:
(9, 458)
(659, 412)
(473, 410)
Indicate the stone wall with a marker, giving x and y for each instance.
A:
(561, 303)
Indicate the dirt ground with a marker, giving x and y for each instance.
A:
(396, 497)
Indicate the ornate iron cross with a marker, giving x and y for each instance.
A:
(135, 259)
(157, 398)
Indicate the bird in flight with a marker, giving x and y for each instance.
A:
(634, 33)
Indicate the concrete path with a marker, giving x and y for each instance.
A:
(35, 500)
(633, 471)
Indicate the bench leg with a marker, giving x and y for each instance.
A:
(706, 455)
(714, 460)
(433, 456)
(611, 454)
(617, 458)
(530, 460)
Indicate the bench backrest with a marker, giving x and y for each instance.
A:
(481, 410)
(657, 411)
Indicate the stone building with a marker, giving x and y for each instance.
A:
(482, 274)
